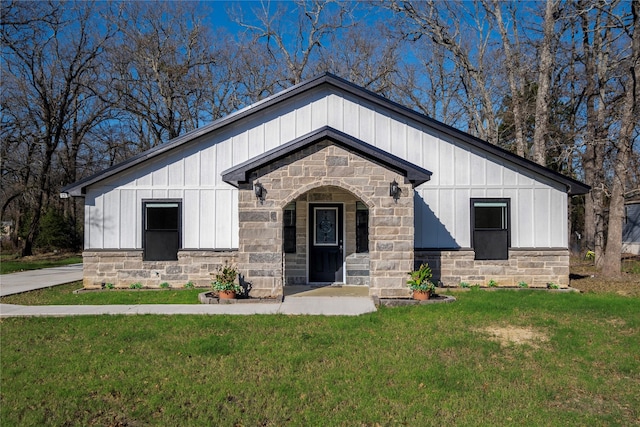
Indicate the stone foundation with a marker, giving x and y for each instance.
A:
(124, 268)
(535, 267)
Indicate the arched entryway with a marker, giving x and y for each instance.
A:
(325, 238)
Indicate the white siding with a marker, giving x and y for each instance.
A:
(192, 173)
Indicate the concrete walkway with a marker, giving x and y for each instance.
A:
(346, 301)
(25, 281)
(325, 306)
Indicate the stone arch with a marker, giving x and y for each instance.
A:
(327, 182)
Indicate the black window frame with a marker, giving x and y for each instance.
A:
(147, 255)
(495, 232)
(289, 233)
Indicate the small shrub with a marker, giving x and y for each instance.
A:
(164, 285)
(552, 285)
(420, 279)
(493, 283)
(464, 285)
(109, 286)
(136, 285)
(590, 255)
(225, 279)
(523, 284)
(189, 285)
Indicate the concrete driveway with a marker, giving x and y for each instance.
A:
(24, 281)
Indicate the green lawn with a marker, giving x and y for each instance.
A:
(63, 295)
(11, 264)
(577, 363)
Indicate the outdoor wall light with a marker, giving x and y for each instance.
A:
(394, 190)
(259, 190)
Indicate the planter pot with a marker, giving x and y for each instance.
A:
(227, 294)
(421, 295)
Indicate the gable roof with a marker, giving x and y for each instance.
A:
(413, 174)
(573, 186)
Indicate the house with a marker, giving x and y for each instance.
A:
(631, 227)
(326, 183)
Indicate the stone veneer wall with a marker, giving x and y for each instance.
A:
(328, 166)
(123, 268)
(357, 264)
(535, 267)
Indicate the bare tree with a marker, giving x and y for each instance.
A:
(545, 66)
(442, 23)
(294, 45)
(370, 62)
(162, 68)
(47, 65)
(630, 84)
(513, 64)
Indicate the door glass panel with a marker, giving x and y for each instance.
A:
(325, 226)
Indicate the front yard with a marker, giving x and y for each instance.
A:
(491, 358)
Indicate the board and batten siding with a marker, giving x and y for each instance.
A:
(192, 173)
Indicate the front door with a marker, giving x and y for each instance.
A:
(325, 243)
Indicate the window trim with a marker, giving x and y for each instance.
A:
(145, 202)
(472, 208)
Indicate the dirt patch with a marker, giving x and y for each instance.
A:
(508, 335)
(586, 277)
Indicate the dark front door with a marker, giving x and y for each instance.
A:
(325, 243)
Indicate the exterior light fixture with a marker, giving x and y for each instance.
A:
(259, 190)
(394, 190)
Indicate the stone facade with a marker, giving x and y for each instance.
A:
(535, 267)
(326, 170)
(124, 268)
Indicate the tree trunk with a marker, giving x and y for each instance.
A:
(593, 158)
(512, 67)
(544, 82)
(611, 264)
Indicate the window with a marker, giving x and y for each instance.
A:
(289, 228)
(362, 228)
(161, 240)
(490, 228)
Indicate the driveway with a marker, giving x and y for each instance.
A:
(24, 281)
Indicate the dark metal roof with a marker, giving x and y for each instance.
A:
(413, 174)
(573, 186)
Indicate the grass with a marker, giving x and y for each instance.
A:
(63, 295)
(10, 263)
(420, 365)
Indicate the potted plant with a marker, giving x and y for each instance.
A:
(420, 282)
(225, 282)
